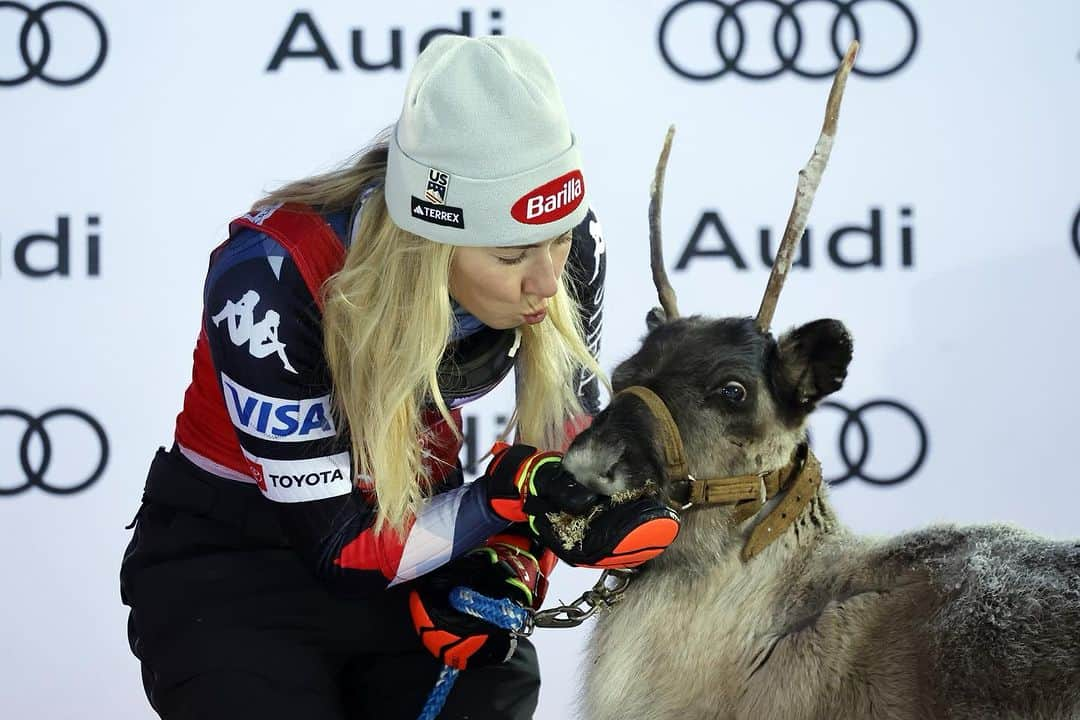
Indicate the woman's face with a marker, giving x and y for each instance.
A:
(505, 287)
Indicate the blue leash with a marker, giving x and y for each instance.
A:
(507, 614)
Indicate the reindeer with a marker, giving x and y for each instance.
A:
(766, 606)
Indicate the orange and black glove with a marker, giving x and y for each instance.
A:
(622, 535)
(524, 485)
(522, 482)
(508, 566)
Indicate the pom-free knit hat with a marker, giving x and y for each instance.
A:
(482, 153)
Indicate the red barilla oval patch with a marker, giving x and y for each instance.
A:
(551, 201)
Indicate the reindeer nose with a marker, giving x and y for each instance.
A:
(581, 464)
(591, 466)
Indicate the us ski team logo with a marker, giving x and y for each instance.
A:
(261, 337)
(438, 182)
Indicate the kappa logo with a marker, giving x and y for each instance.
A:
(438, 182)
(260, 337)
(438, 214)
(551, 201)
(278, 419)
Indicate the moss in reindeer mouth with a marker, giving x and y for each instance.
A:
(571, 529)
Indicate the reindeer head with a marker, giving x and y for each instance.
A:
(734, 398)
(739, 398)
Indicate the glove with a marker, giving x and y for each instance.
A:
(622, 535)
(522, 482)
(525, 485)
(527, 562)
(506, 567)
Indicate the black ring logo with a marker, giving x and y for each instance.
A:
(854, 418)
(1076, 233)
(35, 67)
(35, 427)
(787, 59)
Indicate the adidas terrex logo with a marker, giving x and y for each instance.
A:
(438, 214)
(550, 201)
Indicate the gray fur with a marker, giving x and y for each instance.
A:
(946, 622)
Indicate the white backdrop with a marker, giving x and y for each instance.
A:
(959, 160)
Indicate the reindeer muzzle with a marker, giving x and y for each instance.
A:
(801, 478)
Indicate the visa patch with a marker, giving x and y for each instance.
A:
(278, 419)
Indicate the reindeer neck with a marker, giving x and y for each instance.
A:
(773, 520)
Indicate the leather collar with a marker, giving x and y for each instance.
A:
(800, 478)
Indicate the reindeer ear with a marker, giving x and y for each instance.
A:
(813, 361)
(655, 318)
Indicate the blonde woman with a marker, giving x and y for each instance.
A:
(294, 547)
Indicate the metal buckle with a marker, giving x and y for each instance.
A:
(691, 480)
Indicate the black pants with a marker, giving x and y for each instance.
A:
(228, 622)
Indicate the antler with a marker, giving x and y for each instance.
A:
(656, 255)
(809, 179)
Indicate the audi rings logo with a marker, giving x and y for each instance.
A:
(68, 431)
(1076, 233)
(862, 451)
(80, 57)
(808, 37)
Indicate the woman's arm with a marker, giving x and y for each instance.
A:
(264, 330)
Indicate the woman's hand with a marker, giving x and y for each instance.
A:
(526, 486)
(509, 566)
(622, 535)
(522, 482)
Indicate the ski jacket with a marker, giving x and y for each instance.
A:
(258, 407)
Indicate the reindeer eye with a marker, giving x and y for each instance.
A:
(733, 391)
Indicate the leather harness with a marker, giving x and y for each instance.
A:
(799, 480)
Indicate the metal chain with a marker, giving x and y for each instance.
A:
(600, 595)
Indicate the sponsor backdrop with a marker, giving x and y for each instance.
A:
(945, 235)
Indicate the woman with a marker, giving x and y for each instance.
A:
(347, 319)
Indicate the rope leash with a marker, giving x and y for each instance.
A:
(504, 613)
(510, 616)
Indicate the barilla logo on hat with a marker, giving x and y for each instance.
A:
(550, 201)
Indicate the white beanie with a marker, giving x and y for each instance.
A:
(482, 153)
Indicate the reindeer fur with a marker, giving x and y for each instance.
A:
(947, 622)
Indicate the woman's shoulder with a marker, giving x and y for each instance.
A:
(300, 229)
(280, 236)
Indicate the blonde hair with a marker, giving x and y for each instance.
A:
(387, 320)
